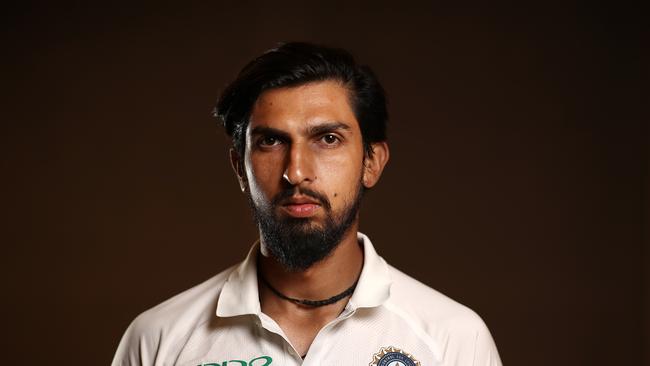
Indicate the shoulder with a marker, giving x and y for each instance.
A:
(189, 303)
(455, 330)
(429, 305)
(164, 327)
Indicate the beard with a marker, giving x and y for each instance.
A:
(298, 243)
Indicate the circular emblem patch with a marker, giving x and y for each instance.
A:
(391, 356)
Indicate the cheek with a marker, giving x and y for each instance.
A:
(263, 176)
(340, 177)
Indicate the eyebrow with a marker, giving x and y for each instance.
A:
(327, 127)
(268, 131)
(311, 130)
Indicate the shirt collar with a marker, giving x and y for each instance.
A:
(240, 296)
(374, 282)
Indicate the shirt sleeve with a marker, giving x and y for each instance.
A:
(485, 350)
(136, 347)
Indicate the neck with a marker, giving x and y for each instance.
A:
(326, 278)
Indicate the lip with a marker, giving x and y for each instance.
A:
(300, 206)
(299, 200)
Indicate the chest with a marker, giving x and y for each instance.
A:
(370, 338)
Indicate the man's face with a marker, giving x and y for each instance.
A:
(303, 166)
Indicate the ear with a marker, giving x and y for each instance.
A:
(374, 163)
(237, 164)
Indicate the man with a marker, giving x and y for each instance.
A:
(308, 127)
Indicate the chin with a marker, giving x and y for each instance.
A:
(304, 223)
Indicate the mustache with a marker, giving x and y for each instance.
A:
(290, 192)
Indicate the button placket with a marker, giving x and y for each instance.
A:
(292, 352)
(315, 348)
(268, 324)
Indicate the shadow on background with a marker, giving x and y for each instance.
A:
(517, 184)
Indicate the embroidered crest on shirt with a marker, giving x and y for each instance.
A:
(391, 356)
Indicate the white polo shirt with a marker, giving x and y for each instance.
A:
(390, 320)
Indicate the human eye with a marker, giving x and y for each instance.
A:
(269, 141)
(330, 140)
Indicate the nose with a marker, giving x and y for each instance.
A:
(299, 165)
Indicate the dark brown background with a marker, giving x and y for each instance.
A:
(517, 183)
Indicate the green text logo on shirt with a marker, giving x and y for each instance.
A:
(258, 361)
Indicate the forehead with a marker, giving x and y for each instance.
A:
(303, 105)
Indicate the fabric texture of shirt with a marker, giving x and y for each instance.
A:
(390, 320)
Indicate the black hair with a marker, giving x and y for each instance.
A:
(298, 63)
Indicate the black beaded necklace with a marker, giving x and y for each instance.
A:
(312, 303)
